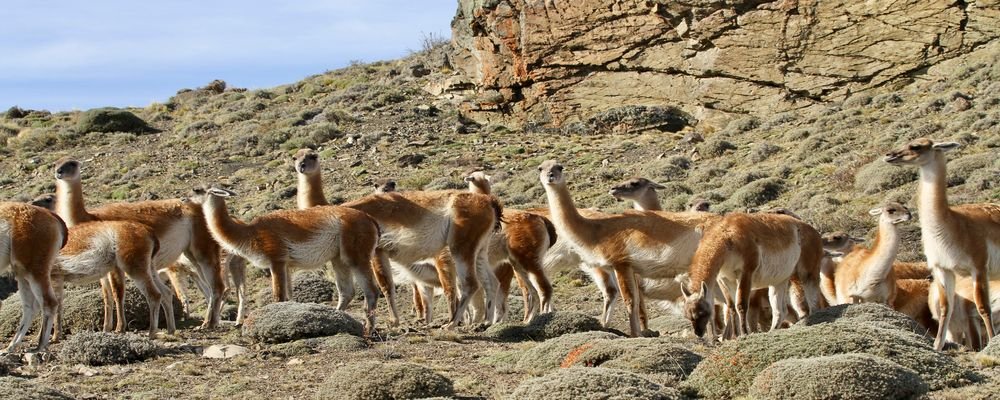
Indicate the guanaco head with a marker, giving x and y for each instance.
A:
(479, 182)
(46, 201)
(306, 161)
(698, 204)
(68, 169)
(385, 186)
(918, 152)
(551, 173)
(892, 213)
(634, 189)
(839, 241)
(697, 308)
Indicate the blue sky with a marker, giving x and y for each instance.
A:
(71, 54)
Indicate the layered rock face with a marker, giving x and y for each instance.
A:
(556, 62)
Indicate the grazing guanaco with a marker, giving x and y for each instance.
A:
(962, 239)
(643, 194)
(651, 244)
(179, 226)
(699, 204)
(417, 226)
(866, 275)
(911, 299)
(521, 244)
(835, 245)
(30, 239)
(96, 249)
(287, 241)
(742, 252)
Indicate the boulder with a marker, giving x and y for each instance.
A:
(705, 57)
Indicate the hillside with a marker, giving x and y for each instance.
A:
(425, 120)
(377, 121)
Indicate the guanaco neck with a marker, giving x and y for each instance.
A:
(649, 201)
(69, 202)
(564, 212)
(227, 230)
(480, 187)
(883, 253)
(310, 193)
(932, 197)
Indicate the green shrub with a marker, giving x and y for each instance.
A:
(715, 147)
(288, 321)
(878, 176)
(592, 384)
(757, 193)
(104, 348)
(111, 120)
(842, 376)
(383, 381)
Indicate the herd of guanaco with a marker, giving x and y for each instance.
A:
(732, 274)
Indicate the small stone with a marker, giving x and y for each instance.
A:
(36, 359)
(295, 361)
(223, 351)
(86, 371)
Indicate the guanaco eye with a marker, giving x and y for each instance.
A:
(915, 147)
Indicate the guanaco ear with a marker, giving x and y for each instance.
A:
(469, 178)
(875, 211)
(704, 290)
(489, 178)
(685, 292)
(857, 239)
(832, 254)
(221, 192)
(946, 146)
(655, 185)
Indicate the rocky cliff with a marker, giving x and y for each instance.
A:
(556, 63)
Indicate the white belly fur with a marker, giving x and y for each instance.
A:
(5, 247)
(93, 264)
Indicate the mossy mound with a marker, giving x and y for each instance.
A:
(111, 120)
(669, 324)
(338, 343)
(729, 371)
(558, 323)
(288, 321)
(544, 326)
(306, 288)
(592, 384)
(990, 355)
(842, 376)
(550, 354)
(22, 389)
(384, 381)
(103, 348)
(83, 310)
(878, 315)
(640, 355)
(879, 176)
